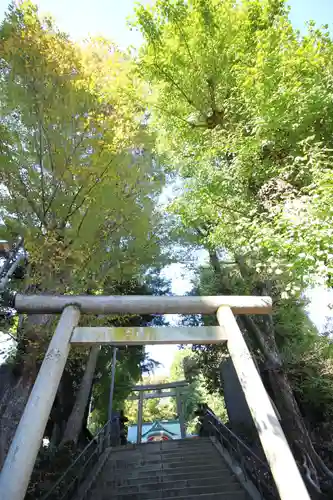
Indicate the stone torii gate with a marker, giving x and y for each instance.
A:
(177, 392)
(16, 472)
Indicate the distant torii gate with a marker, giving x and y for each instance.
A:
(177, 393)
(16, 472)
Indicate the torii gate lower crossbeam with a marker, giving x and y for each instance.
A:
(23, 451)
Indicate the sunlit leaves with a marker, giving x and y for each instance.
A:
(77, 170)
(243, 105)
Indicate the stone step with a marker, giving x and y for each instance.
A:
(176, 443)
(165, 445)
(169, 470)
(205, 458)
(184, 442)
(155, 450)
(135, 461)
(223, 475)
(239, 495)
(218, 482)
(188, 492)
(184, 452)
(152, 450)
(160, 469)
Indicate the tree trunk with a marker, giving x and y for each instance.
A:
(19, 386)
(75, 421)
(291, 418)
(12, 406)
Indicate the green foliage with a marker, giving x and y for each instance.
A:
(78, 180)
(132, 361)
(242, 105)
(307, 356)
(185, 366)
(153, 409)
(79, 183)
(195, 393)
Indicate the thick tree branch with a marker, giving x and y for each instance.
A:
(71, 210)
(82, 221)
(68, 161)
(211, 89)
(184, 38)
(30, 202)
(54, 193)
(172, 114)
(41, 158)
(49, 149)
(171, 80)
(9, 335)
(69, 158)
(230, 209)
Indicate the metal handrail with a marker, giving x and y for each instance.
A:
(69, 481)
(253, 467)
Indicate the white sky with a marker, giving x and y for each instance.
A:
(81, 18)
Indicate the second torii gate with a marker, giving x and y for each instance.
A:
(177, 390)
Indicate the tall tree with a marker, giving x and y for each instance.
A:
(78, 177)
(238, 103)
(75, 420)
(238, 100)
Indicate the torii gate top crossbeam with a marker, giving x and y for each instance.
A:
(140, 304)
(157, 387)
(154, 395)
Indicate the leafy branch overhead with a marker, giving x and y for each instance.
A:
(76, 160)
(242, 104)
(230, 108)
(79, 182)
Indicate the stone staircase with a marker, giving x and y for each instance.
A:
(188, 468)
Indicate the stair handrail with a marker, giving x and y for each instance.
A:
(101, 441)
(252, 466)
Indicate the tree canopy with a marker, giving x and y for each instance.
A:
(79, 184)
(241, 106)
(77, 173)
(232, 103)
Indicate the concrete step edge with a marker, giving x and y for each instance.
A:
(152, 447)
(181, 494)
(207, 447)
(225, 475)
(216, 496)
(128, 453)
(164, 459)
(225, 479)
(173, 460)
(153, 456)
(174, 486)
(163, 466)
(181, 467)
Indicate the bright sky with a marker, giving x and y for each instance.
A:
(81, 18)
